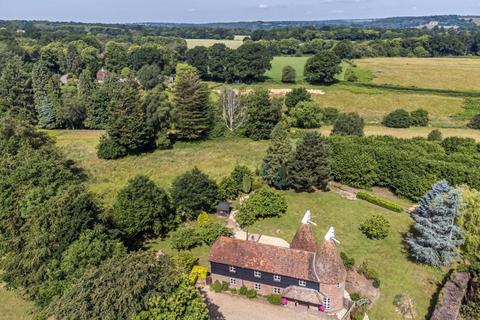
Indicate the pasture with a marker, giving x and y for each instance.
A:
(12, 306)
(462, 74)
(278, 63)
(232, 44)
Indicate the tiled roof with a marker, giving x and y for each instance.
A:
(303, 294)
(263, 257)
(304, 239)
(328, 264)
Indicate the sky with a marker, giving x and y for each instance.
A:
(111, 11)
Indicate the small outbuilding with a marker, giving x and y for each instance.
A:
(223, 208)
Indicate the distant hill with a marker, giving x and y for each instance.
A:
(448, 21)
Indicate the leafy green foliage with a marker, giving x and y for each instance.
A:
(459, 145)
(399, 118)
(353, 167)
(277, 158)
(275, 299)
(192, 104)
(419, 118)
(198, 57)
(185, 302)
(369, 273)
(469, 222)
(348, 262)
(149, 76)
(379, 201)
(322, 68)
(262, 115)
(263, 203)
(435, 135)
(348, 124)
(289, 74)
(252, 60)
(119, 288)
(310, 167)
(195, 191)
(185, 237)
(143, 208)
(306, 115)
(295, 96)
(376, 227)
(213, 230)
(184, 261)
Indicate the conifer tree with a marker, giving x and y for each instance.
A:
(16, 93)
(41, 80)
(262, 115)
(128, 122)
(435, 236)
(310, 168)
(277, 159)
(191, 103)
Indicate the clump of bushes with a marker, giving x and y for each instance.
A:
(275, 299)
(474, 122)
(295, 96)
(401, 118)
(265, 203)
(184, 261)
(306, 114)
(379, 201)
(348, 262)
(218, 286)
(376, 227)
(369, 273)
(240, 180)
(289, 74)
(459, 144)
(348, 124)
(330, 115)
(251, 294)
(355, 296)
(109, 149)
(185, 238)
(435, 135)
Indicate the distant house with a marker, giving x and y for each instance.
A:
(102, 74)
(307, 275)
(223, 208)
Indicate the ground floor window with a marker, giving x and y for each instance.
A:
(327, 303)
(277, 290)
(302, 283)
(233, 281)
(258, 286)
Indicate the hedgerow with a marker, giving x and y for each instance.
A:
(379, 201)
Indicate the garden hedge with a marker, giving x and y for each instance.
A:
(379, 201)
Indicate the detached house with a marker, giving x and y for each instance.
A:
(306, 274)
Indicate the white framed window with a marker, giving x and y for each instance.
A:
(233, 281)
(302, 283)
(339, 285)
(327, 303)
(258, 286)
(257, 274)
(232, 269)
(277, 290)
(277, 278)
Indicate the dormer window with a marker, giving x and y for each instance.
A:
(277, 278)
(302, 283)
(232, 269)
(257, 274)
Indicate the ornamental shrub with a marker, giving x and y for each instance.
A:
(306, 114)
(184, 238)
(251, 294)
(275, 299)
(376, 227)
(295, 96)
(379, 201)
(348, 124)
(369, 273)
(243, 290)
(265, 203)
(399, 118)
(212, 230)
(289, 74)
(109, 149)
(330, 115)
(348, 262)
(216, 286)
(419, 118)
(184, 261)
(435, 135)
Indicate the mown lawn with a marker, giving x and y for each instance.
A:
(388, 256)
(433, 73)
(12, 306)
(278, 63)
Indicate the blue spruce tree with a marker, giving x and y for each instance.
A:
(435, 235)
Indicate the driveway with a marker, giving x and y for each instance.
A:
(224, 306)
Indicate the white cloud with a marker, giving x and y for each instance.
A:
(263, 6)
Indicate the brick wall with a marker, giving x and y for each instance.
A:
(335, 294)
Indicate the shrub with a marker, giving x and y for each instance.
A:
(419, 118)
(212, 230)
(369, 273)
(203, 219)
(376, 227)
(459, 144)
(330, 115)
(185, 238)
(289, 74)
(354, 167)
(163, 141)
(275, 299)
(306, 114)
(435, 135)
(350, 75)
(379, 201)
(243, 290)
(228, 188)
(265, 203)
(295, 96)
(225, 286)
(399, 118)
(350, 124)
(201, 271)
(233, 290)
(109, 149)
(192, 278)
(355, 296)
(251, 294)
(474, 122)
(216, 286)
(184, 261)
(348, 262)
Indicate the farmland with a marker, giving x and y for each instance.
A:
(233, 44)
(12, 306)
(275, 73)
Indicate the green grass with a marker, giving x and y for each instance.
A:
(278, 63)
(12, 306)
(388, 256)
(233, 44)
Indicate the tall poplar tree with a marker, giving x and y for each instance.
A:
(192, 107)
(435, 235)
(310, 168)
(277, 158)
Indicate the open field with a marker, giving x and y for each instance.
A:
(12, 306)
(397, 274)
(233, 44)
(278, 63)
(434, 73)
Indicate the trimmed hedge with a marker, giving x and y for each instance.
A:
(379, 201)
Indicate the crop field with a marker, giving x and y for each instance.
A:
(233, 44)
(461, 74)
